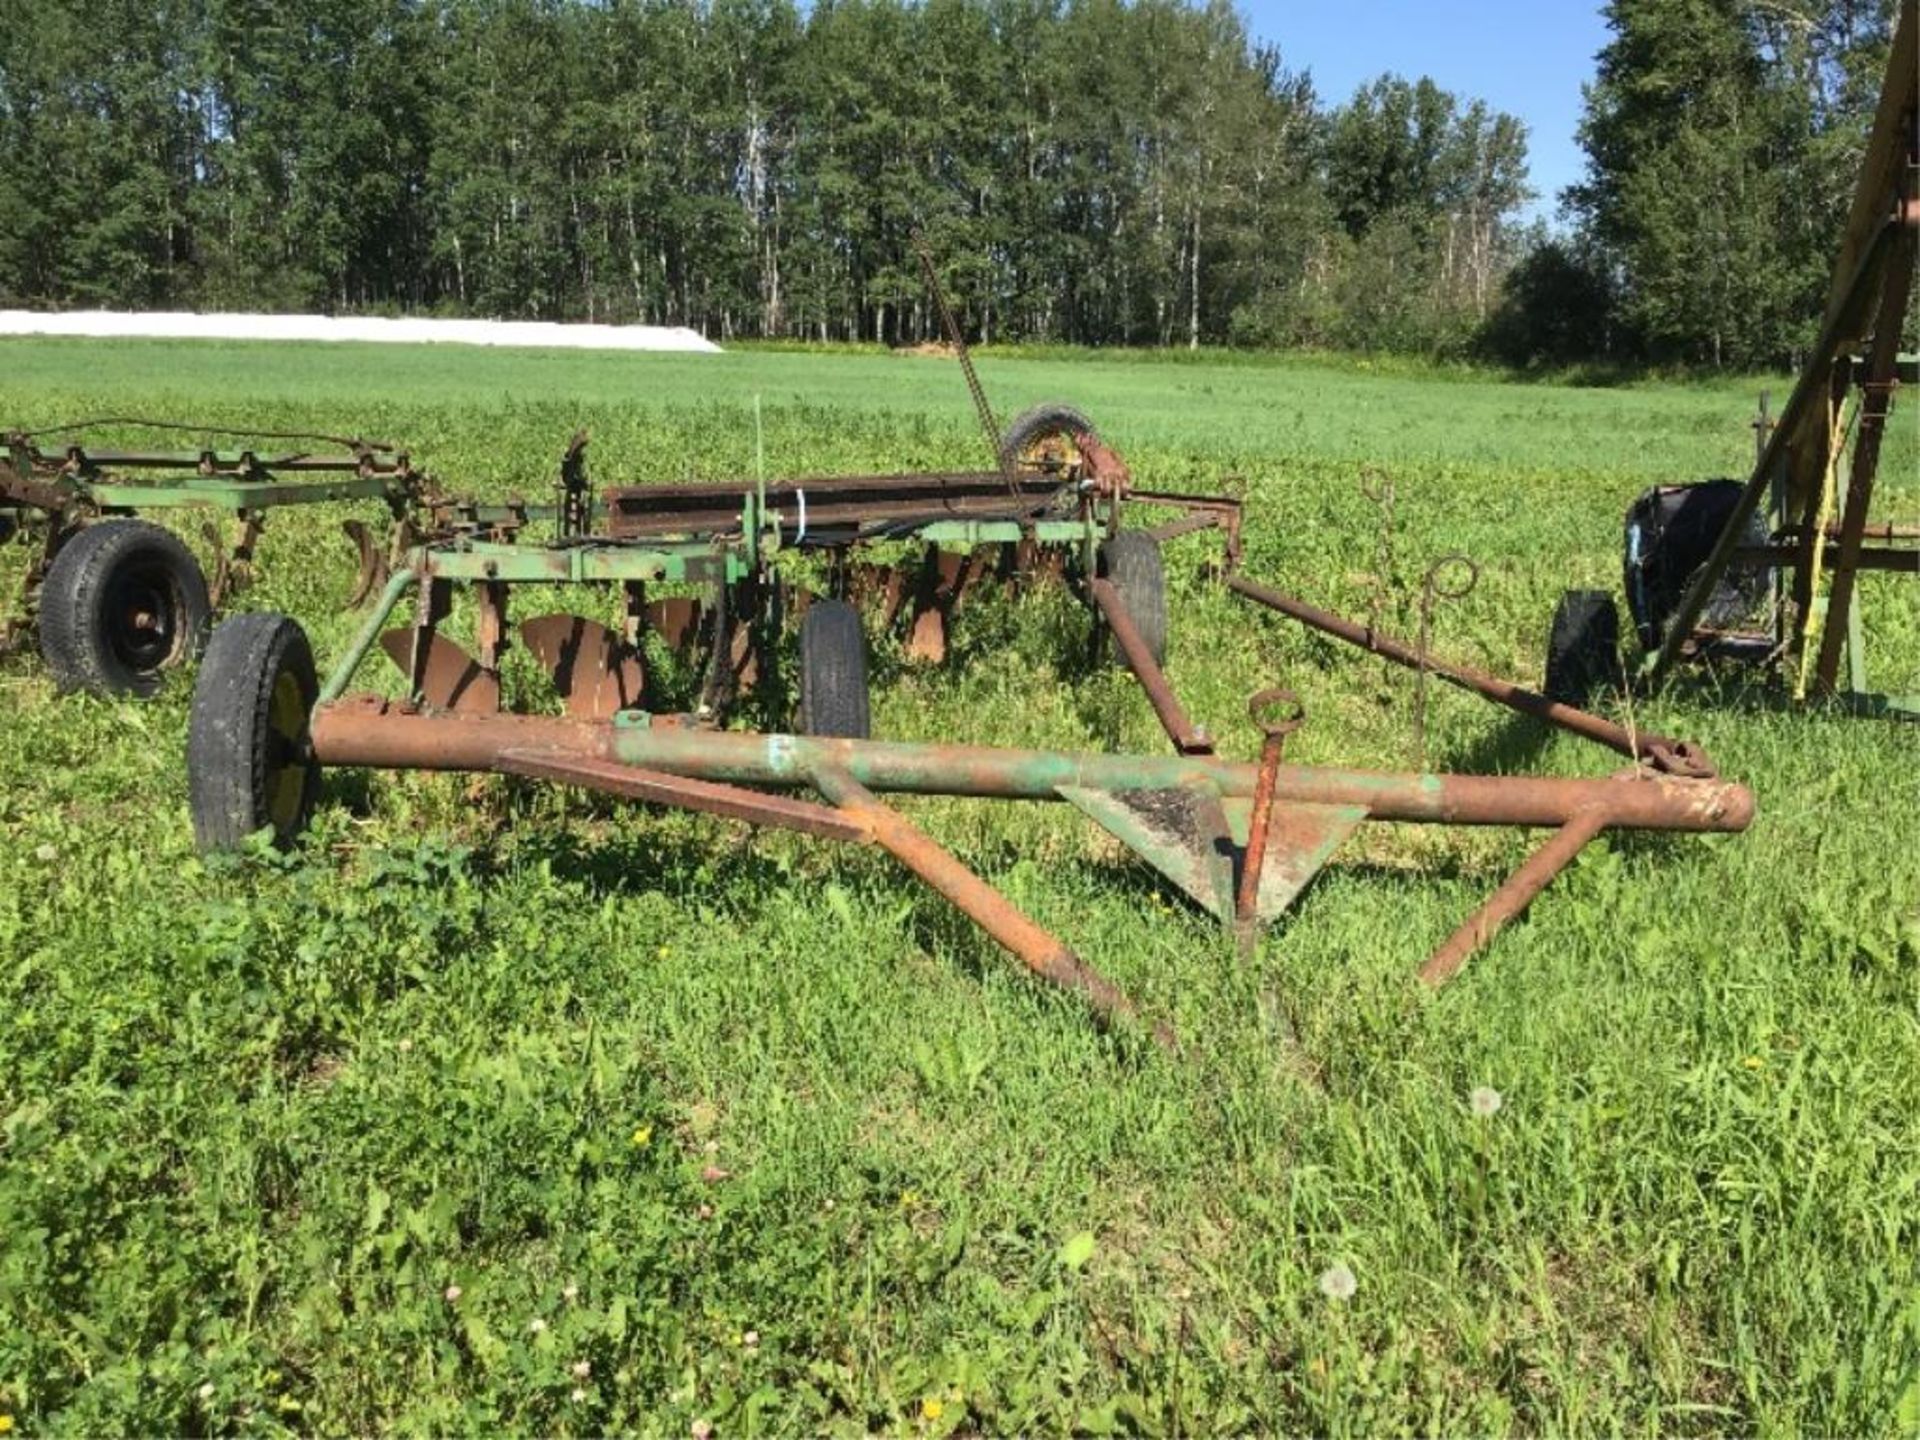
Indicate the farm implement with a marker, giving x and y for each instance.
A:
(1239, 840)
(119, 600)
(1765, 572)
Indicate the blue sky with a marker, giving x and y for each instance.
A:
(1527, 57)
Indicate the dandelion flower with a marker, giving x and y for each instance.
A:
(1486, 1101)
(642, 1136)
(536, 1326)
(1754, 1062)
(1337, 1282)
(931, 1408)
(6, 1424)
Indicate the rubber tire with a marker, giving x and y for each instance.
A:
(232, 745)
(76, 601)
(1583, 647)
(833, 672)
(1132, 562)
(1038, 423)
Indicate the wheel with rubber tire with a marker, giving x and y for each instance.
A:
(123, 601)
(1131, 560)
(249, 763)
(1583, 648)
(833, 672)
(1042, 438)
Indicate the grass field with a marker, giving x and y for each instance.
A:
(420, 1126)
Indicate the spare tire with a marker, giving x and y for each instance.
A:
(1022, 445)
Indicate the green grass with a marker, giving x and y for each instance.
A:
(257, 1116)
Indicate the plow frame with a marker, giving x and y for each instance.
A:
(1238, 840)
(54, 492)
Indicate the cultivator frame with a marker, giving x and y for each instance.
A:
(53, 495)
(1240, 840)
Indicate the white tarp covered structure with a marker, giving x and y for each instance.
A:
(112, 324)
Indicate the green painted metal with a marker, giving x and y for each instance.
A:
(398, 584)
(1181, 832)
(226, 493)
(487, 560)
(1188, 836)
(1006, 532)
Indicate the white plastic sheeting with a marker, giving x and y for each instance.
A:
(114, 324)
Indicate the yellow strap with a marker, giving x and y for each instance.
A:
(1836, 436)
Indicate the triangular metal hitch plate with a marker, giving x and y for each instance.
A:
(1181, 832)
(1301, 840)
(1198, 840)
(592, 668)
(453, 679)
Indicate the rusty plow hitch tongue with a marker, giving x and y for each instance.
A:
(1242, 840)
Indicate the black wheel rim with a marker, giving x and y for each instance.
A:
(142, 616)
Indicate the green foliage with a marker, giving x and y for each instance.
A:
(485, 1083)
(1723, 141)
(1093, 172)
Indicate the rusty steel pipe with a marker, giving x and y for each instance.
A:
(1028, 942)
(388, 735)
(1652, 748)
(1513, 896)
(1188, 738)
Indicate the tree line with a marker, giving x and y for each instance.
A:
(1083, 171)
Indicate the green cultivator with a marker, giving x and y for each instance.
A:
(119, 600)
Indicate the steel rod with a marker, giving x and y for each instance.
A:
(1514, 896)
(389, 735)
(1188, 738)
(1634, 745)
(1028, 942)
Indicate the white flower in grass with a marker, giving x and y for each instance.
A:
(206, 1391)
(1485, 1101)
(700, 1429)
(571, 1293)
(1337, 1282)
(451, 1293)
(578, 1394)
(582, 1370)
(536, 1326)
